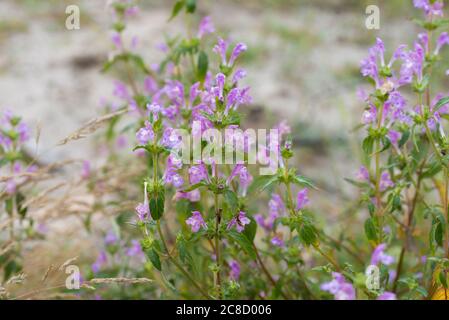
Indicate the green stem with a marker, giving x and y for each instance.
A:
(267, 273)
(378, 178)
(173, 260)
(217, 242)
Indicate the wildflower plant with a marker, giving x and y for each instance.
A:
(205, 208)
(405, 156)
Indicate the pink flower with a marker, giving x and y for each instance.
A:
(206, 26)
(379, 256)
(387, 296)
(235, 270)
(196, 221)
(341, 289)
(239, 222)
(145, 134)
(302, 199)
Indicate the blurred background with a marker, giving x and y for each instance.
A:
(302, 63)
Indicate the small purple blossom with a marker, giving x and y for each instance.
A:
(135, 250)
(302, 199)
(387, 296)
(198, 173)
(196, 221)
(239, 222)
(110, 238)
(385, 181)
(206, 26)
(363, 174)
(339, 287)
(142, 211)
(379, 256)
(277, 241)
(102, 259)
(234, 272)
(85, 173)
(145, 134)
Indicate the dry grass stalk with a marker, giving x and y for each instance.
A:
(91, 127)
(17, 279)
(42, 195)
(68, 262)
(118, 280)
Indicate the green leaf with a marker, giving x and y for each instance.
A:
(404, 138)
(231, 200)
(307, 234)
(194, 186)
(433, 169)
(184, 253)
(11, 268)
(157, 205)
(251, 230)
(443, 279)
(370, 229)
(440, 103)
(191, 6)
(357, 183)
(243, 241)
(203, 65)
(262, 182)
(154, 258)
(367, 145)
(439, 234)
(303, 181)
(176, 9)
(138, 61)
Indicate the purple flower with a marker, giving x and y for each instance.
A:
(192, 196)
(239, 222)
(443, 39)
(385, 181)
(135, 250)
(198, 173)
(283, 128)
(24, 132)
(379, 256)
(430, 8)
(196, 221)
(302, 199)
(363, 174)
(110, 238)
(220, 78)
(238, 50)
(277, 241)
(239, 74)
(171, 175)
(150, 85)
(143, 211)
(341, 289)
(245, 178)
(102, 259)
(145, 134)
(120, 91)
(117, 40)
(206, 26)
(85, 173)
(394, 136)
(370, 115)
(221, 48)
(234, 273)
(387, 296)
(264, 223)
